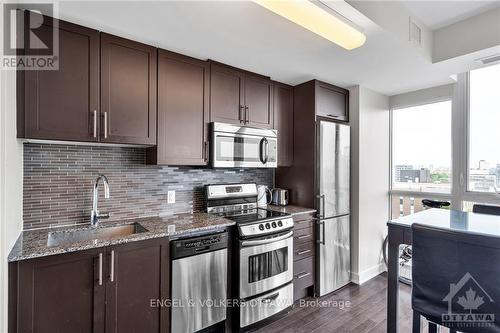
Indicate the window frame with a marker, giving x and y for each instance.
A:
(460, 148)
(467, 194)
(425, 101)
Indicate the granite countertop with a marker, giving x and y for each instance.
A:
(291, 209)
(33, 243)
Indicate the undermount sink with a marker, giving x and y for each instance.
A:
(58, 238)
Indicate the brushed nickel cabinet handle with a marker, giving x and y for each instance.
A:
(95, 123)
(303, 252)
(112, 269)
(302, 275)
(247, 118)
(206, 151)
(240, 118)
(100, 269)
(105, 124)
(303, 237)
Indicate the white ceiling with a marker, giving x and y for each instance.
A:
(245, 35)
(437, 14)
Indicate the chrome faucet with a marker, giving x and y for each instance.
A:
(95, 216)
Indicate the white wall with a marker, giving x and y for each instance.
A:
(470, 35)
(11, 182)
(369, 112)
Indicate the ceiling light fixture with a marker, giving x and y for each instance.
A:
(313, 18)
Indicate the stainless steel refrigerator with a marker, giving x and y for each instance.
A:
(333, 266)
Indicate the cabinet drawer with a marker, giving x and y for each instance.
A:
(303, 217)
(303, 235)
(302, 250)
(302, 224)
(303, 273)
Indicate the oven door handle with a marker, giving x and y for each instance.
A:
(266, 241)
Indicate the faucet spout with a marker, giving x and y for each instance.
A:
(95, 216)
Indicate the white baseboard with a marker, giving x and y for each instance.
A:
(367, 274)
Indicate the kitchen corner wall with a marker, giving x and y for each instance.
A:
(58, 183)
(369, 118)
(11, 182)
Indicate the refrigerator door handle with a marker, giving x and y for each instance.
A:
(321, 206)
(322, 239)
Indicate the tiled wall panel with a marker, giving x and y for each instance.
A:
(58, 184)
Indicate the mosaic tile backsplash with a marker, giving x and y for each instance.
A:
(58, 182)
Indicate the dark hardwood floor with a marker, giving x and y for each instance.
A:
(366, 313)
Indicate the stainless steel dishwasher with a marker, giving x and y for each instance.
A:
(199, 282)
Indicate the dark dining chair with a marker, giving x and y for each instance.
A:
(455, 280)
(435, 203)
(486, 209)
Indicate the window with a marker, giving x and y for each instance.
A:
(421, 148)
(484, 130)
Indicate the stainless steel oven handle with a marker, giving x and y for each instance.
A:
(266, 241)
(270, 298)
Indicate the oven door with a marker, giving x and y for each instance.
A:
(265, 264)
(241, 150)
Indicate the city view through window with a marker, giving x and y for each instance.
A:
(484, 130)
(421, 148)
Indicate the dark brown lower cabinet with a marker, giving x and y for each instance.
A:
(303, 255)
(108, 289)
(60, 293)
(137, 278)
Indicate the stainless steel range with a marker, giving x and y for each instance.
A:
(265, 252)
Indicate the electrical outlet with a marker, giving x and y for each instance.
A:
(171, 197)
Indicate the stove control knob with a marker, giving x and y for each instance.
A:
(280, 224)
(268, 226)
(261, 227)
(273, 224)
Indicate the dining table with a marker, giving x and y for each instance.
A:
(400, 232)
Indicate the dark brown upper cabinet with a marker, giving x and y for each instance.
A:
(99, 290)
(239, 97)
(227, 99)
(62, 104)
(332, 101)
(283, 122)
(128, 91)
(258, 101)
(183, 88)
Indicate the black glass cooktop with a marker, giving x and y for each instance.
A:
(253, 215)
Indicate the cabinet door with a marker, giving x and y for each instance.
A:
(283, 122)
(128, 91)
(61, 293)
(332, 101)
(258, 101)
(137, 275)
(63, 104)
(226, 95)
(182, 110)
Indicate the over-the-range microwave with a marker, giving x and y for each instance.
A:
(235, 146)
